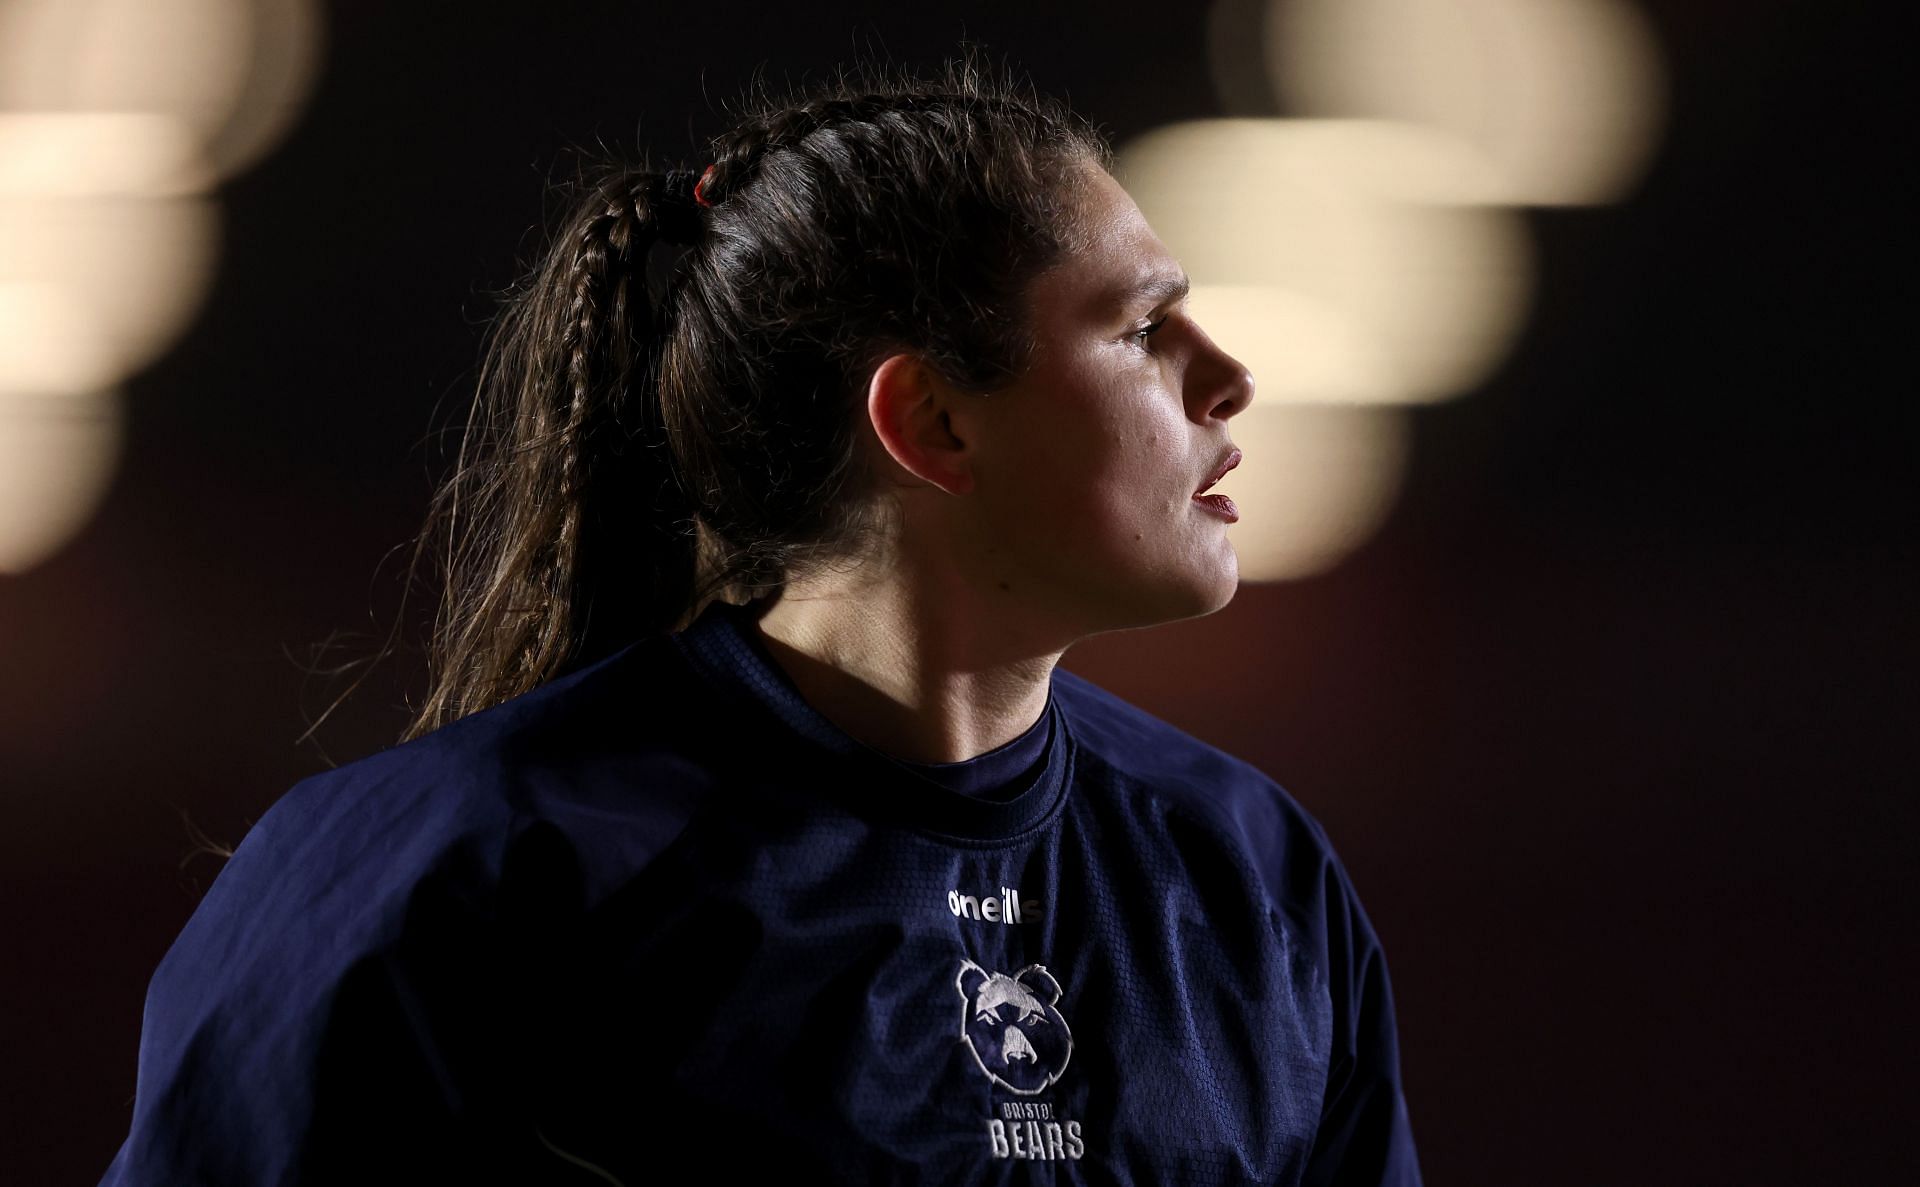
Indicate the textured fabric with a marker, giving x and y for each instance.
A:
(659, 921)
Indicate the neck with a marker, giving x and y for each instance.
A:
(922, 667)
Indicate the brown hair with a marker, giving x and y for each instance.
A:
(632, 455)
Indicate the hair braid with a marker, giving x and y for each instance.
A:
(535, 474)
(738, 157)
(631, 456)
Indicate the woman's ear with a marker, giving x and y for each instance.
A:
(909, 407)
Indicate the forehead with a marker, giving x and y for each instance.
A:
(1119, 267)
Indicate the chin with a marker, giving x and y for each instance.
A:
(1219, 595)
(1211, 584)
(1157, 603)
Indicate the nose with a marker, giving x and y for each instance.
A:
(1218, 384)
(1014, 1046)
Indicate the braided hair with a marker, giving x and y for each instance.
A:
(633, 454)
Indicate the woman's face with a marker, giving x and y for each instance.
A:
(1085, 469)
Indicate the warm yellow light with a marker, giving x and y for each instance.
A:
(135, 269)
(1299, 350)
(1564, 97)
(1379, 229)
(57, 457)
(1316, 483)
(88, 153)
(52, 347)
(237, 72)
(116, 117)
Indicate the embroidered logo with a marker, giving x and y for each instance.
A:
(1006, 907)
(1011, 1025)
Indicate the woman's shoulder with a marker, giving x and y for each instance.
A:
(340, 863)
(1168, 781)
(1172, 764)
(414, 875)
(452, 805)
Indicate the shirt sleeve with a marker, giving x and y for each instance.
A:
(1364, 1136)
(334, 1014)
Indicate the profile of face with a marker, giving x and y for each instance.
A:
(1081, 507)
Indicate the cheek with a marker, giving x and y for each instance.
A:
(1090, 484)
(1134, 478)
(1102, 444)
(1097, 469)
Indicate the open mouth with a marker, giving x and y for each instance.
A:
(1220, 505)
(1226, 463)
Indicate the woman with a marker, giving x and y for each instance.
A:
(750, 827)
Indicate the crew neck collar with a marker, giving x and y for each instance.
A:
(724, 646)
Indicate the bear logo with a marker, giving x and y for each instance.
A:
(1016, 1035)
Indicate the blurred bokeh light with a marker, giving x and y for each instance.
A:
(1300, 350)
(57, 456)
(1375, 224)
(1345, 263)
(116, 119)
(1366, 250)
(1564, 97)
(132, 270)
(1317, 479)
(237, 72)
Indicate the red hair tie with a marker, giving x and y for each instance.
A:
(700, 187)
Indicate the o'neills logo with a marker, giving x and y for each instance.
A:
(1008, 907)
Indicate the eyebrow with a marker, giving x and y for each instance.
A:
(1160, 288)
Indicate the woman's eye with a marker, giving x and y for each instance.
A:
(1145, 332)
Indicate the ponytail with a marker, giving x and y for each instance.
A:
(564, 531)
(629, 458)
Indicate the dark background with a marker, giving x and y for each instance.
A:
(1611, 722)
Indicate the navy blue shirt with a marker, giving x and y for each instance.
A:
(660, 919)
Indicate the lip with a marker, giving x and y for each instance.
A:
(1220, 505)
(1226, 463)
